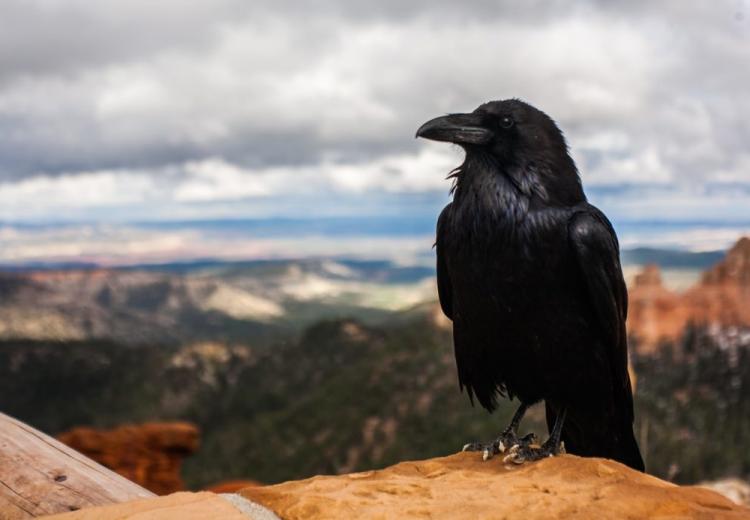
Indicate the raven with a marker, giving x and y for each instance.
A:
(529, 273)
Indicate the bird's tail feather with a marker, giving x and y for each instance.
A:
(591, 436)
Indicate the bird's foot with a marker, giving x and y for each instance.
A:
(531, 452)
(507, 441)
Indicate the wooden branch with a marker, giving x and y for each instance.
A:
(39, 476)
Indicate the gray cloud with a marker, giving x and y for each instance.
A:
(648, 93)
(55, 38)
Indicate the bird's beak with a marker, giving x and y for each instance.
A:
(456, 128)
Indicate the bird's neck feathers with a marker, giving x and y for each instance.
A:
(517, 185)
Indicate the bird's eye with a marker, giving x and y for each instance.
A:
(506, 122)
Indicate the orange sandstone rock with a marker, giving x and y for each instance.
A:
(723, 295)
(734, 269)
(654, 312)
(721, 298)
(461, 486)
(149, 454)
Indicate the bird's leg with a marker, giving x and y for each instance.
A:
(506, 440)
(551, 447)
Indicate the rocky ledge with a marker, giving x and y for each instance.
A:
(461, 486)
(457, 487)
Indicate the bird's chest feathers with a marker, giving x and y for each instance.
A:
(496, 221)
(487, 209)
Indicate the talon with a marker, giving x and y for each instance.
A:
(466, 447)
(514, 458)
(486, 455)
(501, 447)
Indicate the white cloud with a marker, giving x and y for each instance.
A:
(89, 189)
(644, 167)
(697, 239)
(215, 181)
(423, 171)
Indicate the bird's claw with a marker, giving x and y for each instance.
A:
(506, 441)
(489, 449)
(519, 454)
(488, 453)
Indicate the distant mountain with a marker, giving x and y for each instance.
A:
(670, 258)
(240, 301)
(130, 307)
(176, 303)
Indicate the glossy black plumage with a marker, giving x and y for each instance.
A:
(529, 273)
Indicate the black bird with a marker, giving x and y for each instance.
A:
(529, 273)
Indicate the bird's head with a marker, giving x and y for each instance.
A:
(524, 142)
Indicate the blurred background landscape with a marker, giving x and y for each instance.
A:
(216, 221)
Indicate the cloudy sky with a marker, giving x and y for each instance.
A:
(118, 112)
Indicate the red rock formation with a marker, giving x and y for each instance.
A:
(655, 313)
(723, 295)
(149, 454)
(734, 269)
(232, 486)
(721, 298)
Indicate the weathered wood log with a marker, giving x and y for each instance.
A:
(41, 476)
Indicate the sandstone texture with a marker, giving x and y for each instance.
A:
(461, 486)
(721, 299)
(655, 313)
(149, 454)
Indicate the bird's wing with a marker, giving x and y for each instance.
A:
(597, 252)
(445, 290)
